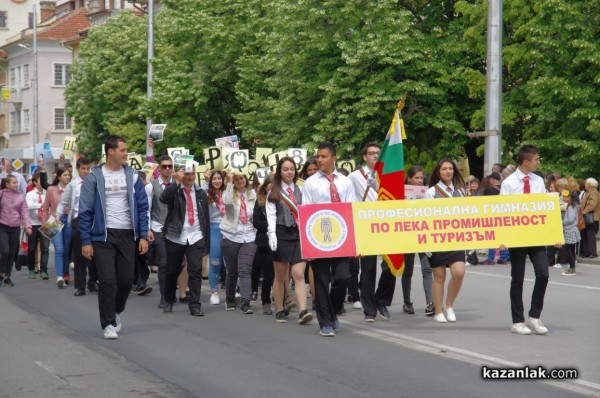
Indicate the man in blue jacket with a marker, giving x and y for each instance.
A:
(113, 214)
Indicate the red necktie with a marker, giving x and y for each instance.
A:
(40, 213)
(333, 192)
(190, 205)
(449, 190)
(290, 192)
(243, 211)
(526, 187)
(165, 184)
(220, 204)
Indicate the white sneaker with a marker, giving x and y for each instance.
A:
(214, 299)
(520, 328)
(450, 315)
(72, 265)
(557, 265)
(357, 305)
(537, 326)
(440, 318)
(110, 333)
(119, 324)
(60, 282)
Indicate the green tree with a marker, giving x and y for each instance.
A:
(107, 92)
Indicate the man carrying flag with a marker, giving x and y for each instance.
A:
(366, 188)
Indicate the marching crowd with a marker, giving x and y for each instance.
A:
(116, 223)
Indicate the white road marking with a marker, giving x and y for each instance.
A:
(580, 386)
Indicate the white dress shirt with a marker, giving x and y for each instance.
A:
(430, 193)
(272, 208)
(191, 233)
(316, 189)
(359, 181)
(513, 184)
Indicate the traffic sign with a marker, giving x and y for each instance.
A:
(17, 164)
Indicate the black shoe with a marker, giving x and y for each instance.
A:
(161, 304)
(168, 307)
(8, 282)
(304, 317)
(185, 299)
(144, 290)
(196, 311)
(92, 287)
(17, 266)
(245, 307)
(253, 297)
(385, 314)
(314, 306)
(79, 292)
(408, 308)
(430, 309)
(280, 317)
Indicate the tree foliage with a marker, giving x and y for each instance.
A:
(108, 88)
(287, 74)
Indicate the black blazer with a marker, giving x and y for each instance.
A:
(259, 221)
(174, 197)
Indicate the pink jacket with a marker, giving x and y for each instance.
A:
(13, 209)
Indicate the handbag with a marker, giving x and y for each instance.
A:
(580, 221)
(22, 258)
(589, 219)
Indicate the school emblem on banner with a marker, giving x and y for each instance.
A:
(326, 233)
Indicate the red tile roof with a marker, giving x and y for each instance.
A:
(65, 27)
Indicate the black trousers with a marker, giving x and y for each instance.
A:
(370, 298)
(141, 272)
(9, 247)
(175, 254)
(538, 257)
(263, 261)
(36, 236)
(82, 264)
(353, 281)
(114, 261)
(160, 253)
(329, 301)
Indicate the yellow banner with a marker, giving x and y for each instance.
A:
(431, 225)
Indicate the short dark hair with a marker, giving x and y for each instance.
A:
(142, 175)
(82, 160)
(329, 146)
(526, 152)
(162, 158)
(370, 144)
(112, 142)
(35, 178)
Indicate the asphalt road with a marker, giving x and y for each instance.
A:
(52, 346)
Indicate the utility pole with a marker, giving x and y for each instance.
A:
(150, 58)
(36, 101)
(493, 92)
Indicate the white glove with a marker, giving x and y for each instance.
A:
(372, 183)
(273, 242)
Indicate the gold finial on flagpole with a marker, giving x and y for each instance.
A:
(402, 102)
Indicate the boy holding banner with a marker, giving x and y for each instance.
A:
(329, 186)
(525, 181)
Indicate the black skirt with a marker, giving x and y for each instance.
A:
(440, 259)
(288, 245)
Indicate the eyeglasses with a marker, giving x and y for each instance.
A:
(166, 166)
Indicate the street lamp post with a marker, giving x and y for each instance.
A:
(493, 92)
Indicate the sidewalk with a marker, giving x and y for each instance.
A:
(42, 358)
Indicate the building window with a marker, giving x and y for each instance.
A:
(61, 120)
(30, 21)
(24, 75)
(62, 74)
(25, 120)
(12, 77)
(3, 16)
(14, 122)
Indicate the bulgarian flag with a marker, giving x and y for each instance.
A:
(390, 176)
